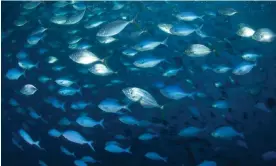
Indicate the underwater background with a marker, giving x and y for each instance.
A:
(242, 96)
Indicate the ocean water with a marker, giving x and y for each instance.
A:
(242, 93)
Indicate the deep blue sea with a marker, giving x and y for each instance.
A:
(194, 86)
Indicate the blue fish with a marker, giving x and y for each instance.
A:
(155, 156)
(14, 74)
(29, 139)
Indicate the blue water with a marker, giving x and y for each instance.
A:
(257, 125)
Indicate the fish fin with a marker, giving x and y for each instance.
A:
(201, 17)
(90, 145)
(127, 150)
(199, 28)
(36, 65)
(165, 159)
(162, 107)
(164, 42)
(63, 107)
(44, 121)
(24, 73)
(104, 60)
(79, 91)
(101, 123)
(37, 144)
(241, 135)
(73, 154)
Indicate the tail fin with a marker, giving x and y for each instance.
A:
(127, 150)
(37, 144)
(241, 135)
(73, 154)
(199, 28)
(165, 42)
(79, 91)
(104, 60)
(63, 107)
(162, 107)
(90, 145)
(36, 65)
(101, 123)
(201, 17)
(44, 121)
(24, 73)
(126, 107)
(165, 159)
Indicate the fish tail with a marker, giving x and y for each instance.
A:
(24, 73)
(165, 159)
(36, 65)
(101, 123)
(104, 60)
(63, 107)
(127, 150)
(37, 144)
(80, 91)
(199, 28)
(90, 145)
(44, 121)
(162, 107)
(165, 42)
(73, 154)
(241, 135)
(128, 109)
(201, 17)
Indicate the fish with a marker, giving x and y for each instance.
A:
(15, 74)
(147, 136)
(22, 55)
(64, 122)
(31, 5)
(80, 163)
(27, 64)
(270, 155)
(112, 105)
(80, 105)
(221, 69)
(243, 68)
(188, 16)
(113, 28)
(86, 121)
(130, 52)
(208, 163)
(89, 159)
(129, 120)
(68, 91)
(226, 132)
(42, 163)
(100, 69)
(28, 89)
(145, 98)
(84, 57)
(245, 31)
(26, 137)
(264, 35)
(67, 152)
(251, 57)
(221, 104)
(175, 92)
(34, 39)
(147, 62)
(183, 29)
(227, 11)
(73, 136)
(114, 148)
(75, 18)
(165, 27)
(149, 44)
(93, 24)
(190, 131)
(172, 72)
(44, 79)
(197, 50)
(155, 156)
(66, 82)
